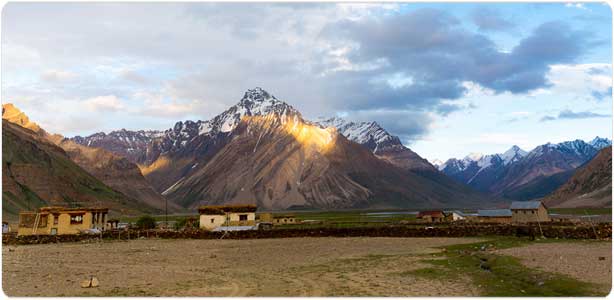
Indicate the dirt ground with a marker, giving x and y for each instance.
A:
(267, 267)
(587, 261)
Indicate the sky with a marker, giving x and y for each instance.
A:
(447, 78)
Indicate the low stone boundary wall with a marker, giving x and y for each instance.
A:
(597, 231)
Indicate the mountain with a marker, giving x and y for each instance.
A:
(590, 185)
(36, 172)
(600, 143)
(129, 144)
(375, 138)
(516, 174)
(113, 170)
(262, 151)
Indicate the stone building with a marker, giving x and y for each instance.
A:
(494, 216)
(214, 216)
(529, 211)
(61, 220)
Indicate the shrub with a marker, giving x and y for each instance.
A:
(146, 222)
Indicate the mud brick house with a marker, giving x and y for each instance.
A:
(61, 220)
(284, 219)
(212, 217)
(277, 219)
(529, 211)
(495, 215)
(431, 216)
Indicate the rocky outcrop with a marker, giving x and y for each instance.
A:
(590, 186)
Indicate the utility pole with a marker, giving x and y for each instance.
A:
(166, 212)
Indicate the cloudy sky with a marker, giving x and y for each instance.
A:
(448, 79)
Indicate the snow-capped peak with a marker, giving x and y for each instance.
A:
(512, 155)
(369, 134)
(473, 156)
(600, 143)
(255, 102)
(437, 163)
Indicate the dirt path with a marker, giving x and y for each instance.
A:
(586, 261)
(275, 267)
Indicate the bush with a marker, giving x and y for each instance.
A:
(146, 222)
(187, 223)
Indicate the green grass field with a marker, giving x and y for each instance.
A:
(500, 275)
(361, 218)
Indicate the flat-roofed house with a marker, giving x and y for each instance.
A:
(529, 211)
(61, 220)
(284, 219)
(495, 215)
(214, 216)
(431, 216)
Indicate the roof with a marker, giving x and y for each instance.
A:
(223, 209)
(234, 228)
(58, 209)
(433, 213)
(494, 213)
(283, 216)
(458, 212)
(525, 204)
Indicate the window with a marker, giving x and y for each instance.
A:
(242, 217)
(532, 212)
(76, 219)
(55, 219)
(212, 220)
(54, 231)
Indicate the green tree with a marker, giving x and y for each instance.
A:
(146, 222)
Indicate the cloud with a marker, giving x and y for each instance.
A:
(490, 20)
(576, 5)
(568, 114)
(585, 80)
(108, 103)
(58, 76)
(166, 61)
(600, 95)
(133, 76)
(408, 125)
(432, 48)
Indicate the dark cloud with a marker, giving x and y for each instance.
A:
(433, 48)
(490, 20)
(408, 125)
(568, 114)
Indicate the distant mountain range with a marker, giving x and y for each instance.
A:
(520, 175)
(263, 151)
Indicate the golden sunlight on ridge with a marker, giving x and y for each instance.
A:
(304, 133)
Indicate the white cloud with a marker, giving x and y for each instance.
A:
(108, 103)
(58, 75)
(581, 79)
(577, 5)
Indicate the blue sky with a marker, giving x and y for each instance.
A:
(447, 78)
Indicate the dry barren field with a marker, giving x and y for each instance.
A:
(265, 267)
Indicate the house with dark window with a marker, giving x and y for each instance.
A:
(53, 220)
(214, 216)
(529, 211)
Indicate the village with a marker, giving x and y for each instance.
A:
(56, 220)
